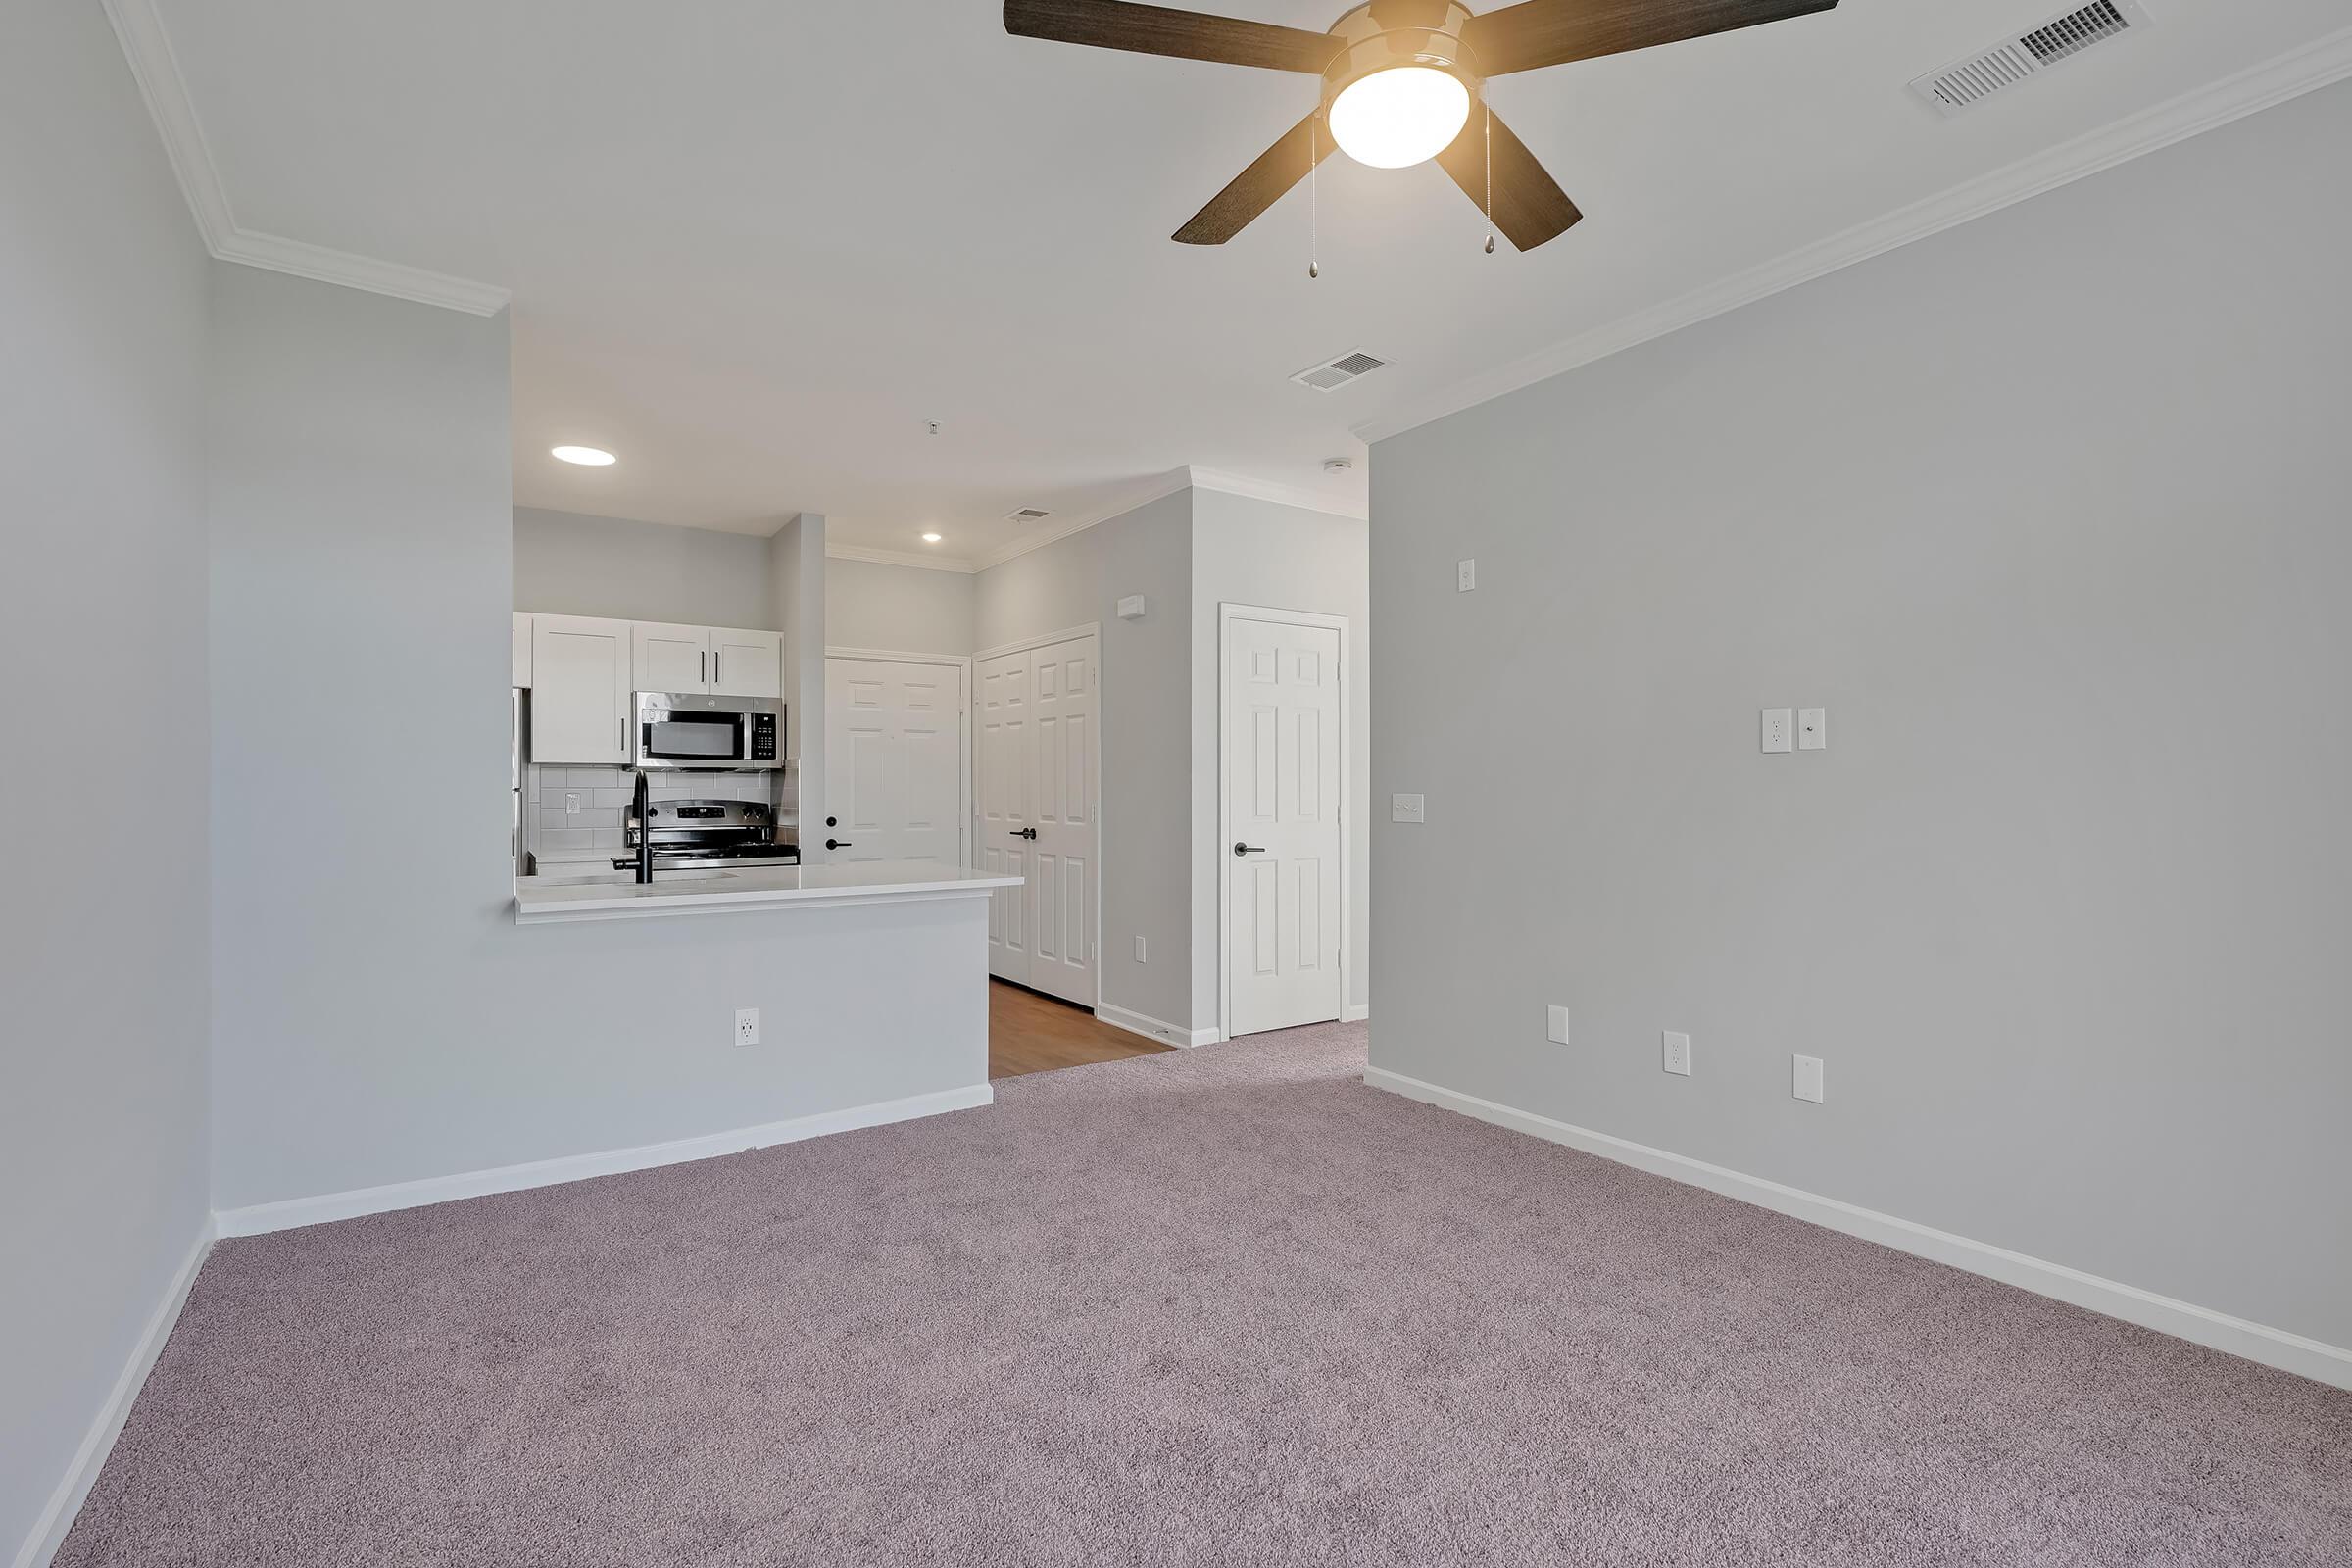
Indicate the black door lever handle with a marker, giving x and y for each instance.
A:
(1249, 849)
(1023, 833)
(839, 844)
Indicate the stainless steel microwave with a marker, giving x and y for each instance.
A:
(691, 730)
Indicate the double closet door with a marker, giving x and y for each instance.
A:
(1035, 758)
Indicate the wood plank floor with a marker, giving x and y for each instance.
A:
(1030, 1032)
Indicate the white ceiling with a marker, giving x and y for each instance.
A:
(754, 245)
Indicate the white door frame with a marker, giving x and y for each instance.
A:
(963, 725)
(1227, 614)
(1094, 759)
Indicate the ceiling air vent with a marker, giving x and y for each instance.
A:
(1971, 81)
(1027, 514)
(1332, 374)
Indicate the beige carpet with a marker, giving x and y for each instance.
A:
(1219, 1307)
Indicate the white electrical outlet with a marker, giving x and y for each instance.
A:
(1777, 726)
(1139, 949)
(1675, 1054)
(571, 804)
(1808, 1079)
(1407, 809)
(747, 1026)
(1465, 576)
(1812, 730)
(1559, 1024)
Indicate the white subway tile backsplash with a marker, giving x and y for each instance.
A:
(615, 796)
(566, 838)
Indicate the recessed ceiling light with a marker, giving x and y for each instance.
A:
(591, 456)
(930, 538)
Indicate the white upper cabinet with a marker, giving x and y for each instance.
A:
(579, 690)
(747, 663)
(582, 673)
(672, 659)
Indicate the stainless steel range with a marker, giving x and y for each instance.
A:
(697, 833)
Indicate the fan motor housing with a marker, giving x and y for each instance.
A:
(1373, 39)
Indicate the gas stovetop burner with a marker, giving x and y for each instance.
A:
(689, 833)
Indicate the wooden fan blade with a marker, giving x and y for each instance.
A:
(1162, 31)
(1530, 207)
(1551, 32)
(1260, 185)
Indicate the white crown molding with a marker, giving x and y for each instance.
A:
(1143, 494)
(2299, 71)
(898, 558)
(156, 67)
(1287, 495)
(1147, 491)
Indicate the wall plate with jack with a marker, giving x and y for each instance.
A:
(747, 1026)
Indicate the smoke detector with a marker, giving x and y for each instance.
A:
(1338, 465)
(1027, 514)
(1332, 374)
(1967, 82)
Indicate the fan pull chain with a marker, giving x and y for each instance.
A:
(1315, 206)
(1488, 111)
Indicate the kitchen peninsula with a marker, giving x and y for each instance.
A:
(616, 895)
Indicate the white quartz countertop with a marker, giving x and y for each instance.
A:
(608, 895)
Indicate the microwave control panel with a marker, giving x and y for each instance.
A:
(763, 737)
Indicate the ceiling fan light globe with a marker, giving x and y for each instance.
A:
(1401, 115)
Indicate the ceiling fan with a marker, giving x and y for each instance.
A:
(1398, 81)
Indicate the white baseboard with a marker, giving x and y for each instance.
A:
(49, 1530)
(294, 1212)
(1151, 1028)
(2256, 1342)
(1355, 1013)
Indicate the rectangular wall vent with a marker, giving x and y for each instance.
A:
(1027, 514)
(1969, 82)
(1332, 374)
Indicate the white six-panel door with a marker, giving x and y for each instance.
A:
(894, 761)
(1281, 760)
(1035, 797)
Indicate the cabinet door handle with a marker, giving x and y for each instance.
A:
(702, 669)
(714, 670)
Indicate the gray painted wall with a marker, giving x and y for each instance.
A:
(2049, 512)
(902, 610)
(1251, 552)
(568, 564)
(102, 1075)
(379, 1017)
(1147, 760)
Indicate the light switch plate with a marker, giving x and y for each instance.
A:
(1559, 1024)
(1405, 809)
(1808, 1079)
(1674, 1053)
(1131, 608)
(1777, 730)
(1812, 730)
(1465, 576)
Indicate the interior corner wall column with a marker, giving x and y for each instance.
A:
(103, 1041)
(799, 571)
